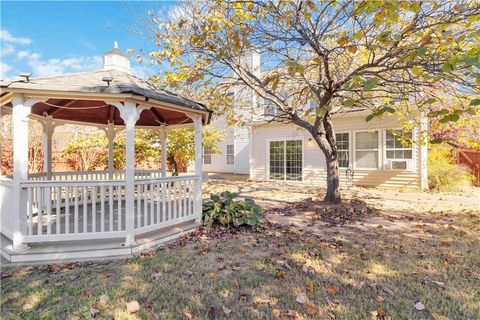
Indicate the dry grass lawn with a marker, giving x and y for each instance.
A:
(416, 257)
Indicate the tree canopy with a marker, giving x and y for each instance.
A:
(385, 56)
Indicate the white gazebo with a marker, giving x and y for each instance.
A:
(72, 215)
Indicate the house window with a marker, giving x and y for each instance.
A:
(286, 160)
(207, 155)
(366, 150)
(398, 144)
(398, 148)
(269, 109)
(343, 149)
(230, 152)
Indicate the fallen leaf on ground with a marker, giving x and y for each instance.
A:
(226, 310)
(213, 275)
(389, 291)
(301, 299)
(93, 312)
(156, 275)
(276, 313)
(310, 287)
(188, 315)
(332, 290)
(103, 299)
(280, 275)
(419, 306)
(133, 306)
(379, 298)
(437, 316)
(381, 312)
(291, 313)
(311, 309)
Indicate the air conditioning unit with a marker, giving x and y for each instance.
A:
(398, 164)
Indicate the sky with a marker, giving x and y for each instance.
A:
(58, 37)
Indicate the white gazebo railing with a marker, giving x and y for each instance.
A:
(6, 206)
(66, 208)
(93, 175)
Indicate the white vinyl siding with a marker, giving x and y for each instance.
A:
(366, 150)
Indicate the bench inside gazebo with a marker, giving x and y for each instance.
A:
(76, 215)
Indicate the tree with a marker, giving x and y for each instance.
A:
(86, 152)
(90, 151)
(181, 145)
(387, 56)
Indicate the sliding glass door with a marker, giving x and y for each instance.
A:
(286, 159)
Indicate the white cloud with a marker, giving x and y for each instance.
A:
(4, 70)
(22, 54)
(6, 36)
(9, 43)
(6, 49)
(143, 71)
(55, 67)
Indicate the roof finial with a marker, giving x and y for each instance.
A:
(115, 44)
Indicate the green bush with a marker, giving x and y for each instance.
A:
(225, 211)
(444, 174)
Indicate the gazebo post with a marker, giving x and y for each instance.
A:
(48, 128)
(163, 140)
(111, 136)
(21, 111)
(1, 120)
(130, 115)
(197, 121)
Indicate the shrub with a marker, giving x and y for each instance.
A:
(444, 174)
(225, 211)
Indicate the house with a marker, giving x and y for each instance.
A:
(370, 153)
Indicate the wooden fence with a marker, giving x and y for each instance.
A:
(471, 160)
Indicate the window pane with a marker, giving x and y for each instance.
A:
(230, 154)
(367, 159)
(207, 159)
(277, 160)
(343, 159)
(389, 154)
(366, 140)
(407, 154)
(294, 160)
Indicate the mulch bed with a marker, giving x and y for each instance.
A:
(334, 214)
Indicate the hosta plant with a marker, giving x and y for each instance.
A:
(225, 211)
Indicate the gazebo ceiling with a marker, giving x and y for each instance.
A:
(100, 112)
(82, 97)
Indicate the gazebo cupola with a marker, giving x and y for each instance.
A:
(116, 60)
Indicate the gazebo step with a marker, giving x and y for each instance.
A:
(91, 250)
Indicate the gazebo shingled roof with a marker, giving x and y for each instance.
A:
(167, 108)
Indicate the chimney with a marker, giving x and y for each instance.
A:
(116, 60)
(251, 59)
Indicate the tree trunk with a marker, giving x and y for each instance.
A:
(333, 180)
(173, 165)
(324, 136)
